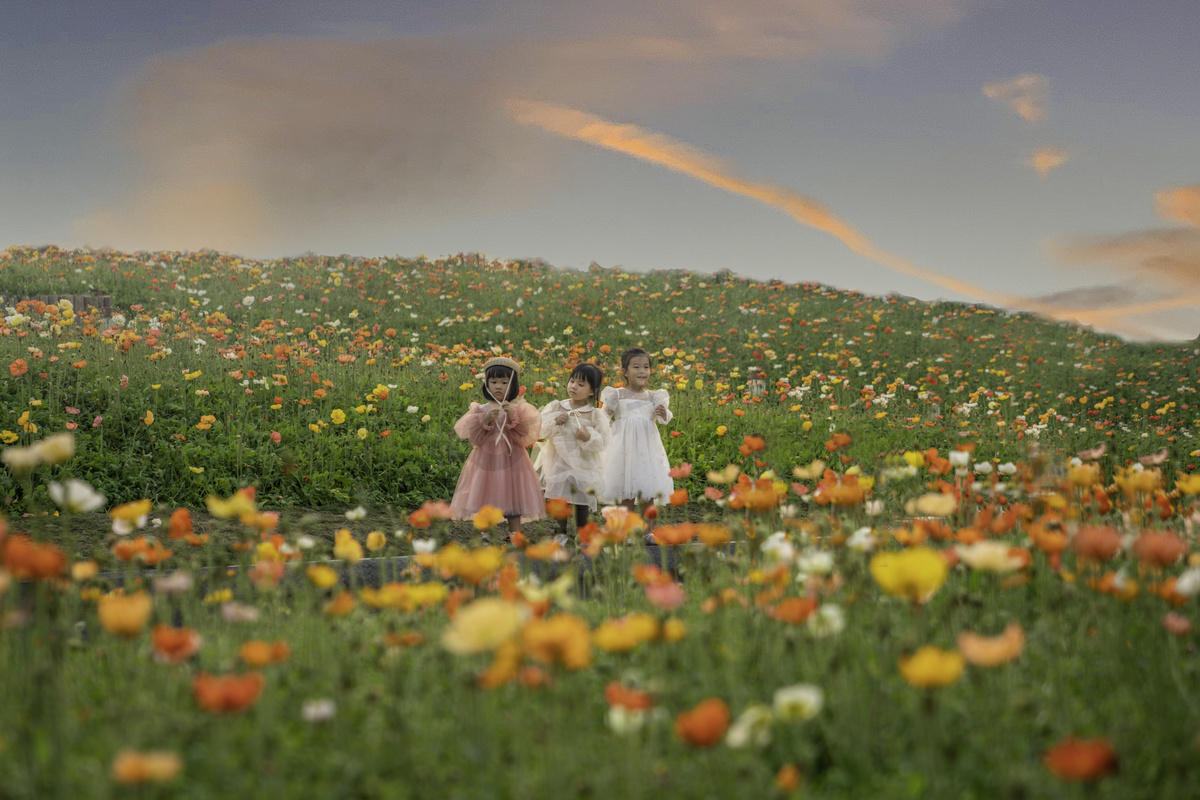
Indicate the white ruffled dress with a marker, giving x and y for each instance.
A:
(572, 469)
(637, 465)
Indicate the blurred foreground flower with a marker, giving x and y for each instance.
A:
(226, 694)
(704, 725)
(483, 625)
(915, 574)
(125, 614)
(1081, 759)
(75, 496)
(984, 651)
(798, 703)
(931, 667)
(131, 766)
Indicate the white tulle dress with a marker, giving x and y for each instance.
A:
(637, 466)
(570, 468)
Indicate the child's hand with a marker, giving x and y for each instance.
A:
(583, 434)
(660, 411)
(490, 417)
(561, 419)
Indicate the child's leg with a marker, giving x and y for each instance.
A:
(581, 517)
(514, 525)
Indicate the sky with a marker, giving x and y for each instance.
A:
(1031, 155)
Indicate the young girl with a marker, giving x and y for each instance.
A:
(576, 434)
(637, 468)
(498, 472)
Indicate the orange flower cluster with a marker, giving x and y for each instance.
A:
(227, 694)
(25, 559)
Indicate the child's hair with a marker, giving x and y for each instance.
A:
(590, 374)
(631, 354)
(501, 371)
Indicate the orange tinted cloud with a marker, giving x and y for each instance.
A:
(1045, 160)
(1024, 94)
(1180, 204)
(681, 157)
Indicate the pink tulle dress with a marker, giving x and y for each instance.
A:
(498, 472)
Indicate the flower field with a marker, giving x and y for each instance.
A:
(916, 549)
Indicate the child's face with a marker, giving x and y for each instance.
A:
(498, 387)
(638, 371)
(578, 389)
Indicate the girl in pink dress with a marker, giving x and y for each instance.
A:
(498, 472)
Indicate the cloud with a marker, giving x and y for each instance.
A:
(1166, 257)
(1045, 160)
(1180, 204)
(275, 146)
(1024, 94)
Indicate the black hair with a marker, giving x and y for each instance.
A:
(501, 371)
(631, 354)
(590, 374)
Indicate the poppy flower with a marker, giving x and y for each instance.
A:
(794, 610)
(562, 639)
(931, 667)
(341, 605)
(257, 653)
(666, 596)
(558, 508)
(1094, 543)
(622, 634)
(482, 626)
(679, 497)
(174, 645)
(704, 725)
(26, 559)
(125, 615)
(617, 694)
(915, 574)
(18, 368)
(670, 535)
(1159, 549)
(180, 525)
(984, 651)
(1081, 759)
(713, 535)
(227, 694)
(487, 518)
(131, 767)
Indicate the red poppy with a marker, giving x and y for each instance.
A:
(1081, 759)
(224, 694)
(705, 724)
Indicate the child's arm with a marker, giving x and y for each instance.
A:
(523, 425)
(473, 425)
(601, 434)
(660, 397)
(608, 397)
(550, 414)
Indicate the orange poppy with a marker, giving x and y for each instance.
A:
(180, 526)
(668, 535)
(794, 610)
(18, 367)
(1159, 549)
(704, 725)
(224, 694)
(558, 508)
(679, 497)
(257, 653)
(1093, 543)
(175, 645)
(25, 559)
(617, 694)
(984, 651)
(754, 443)
(1081, 759)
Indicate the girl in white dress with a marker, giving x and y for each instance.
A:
(637, 467)
(571, 461)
